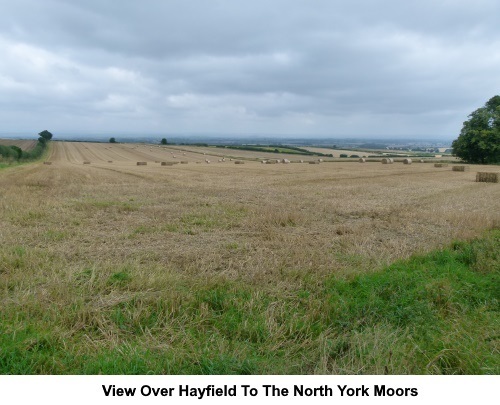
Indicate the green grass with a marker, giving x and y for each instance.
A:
(431, 314)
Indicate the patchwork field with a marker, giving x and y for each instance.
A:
(110, 267)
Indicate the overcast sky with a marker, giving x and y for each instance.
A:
(356, 68)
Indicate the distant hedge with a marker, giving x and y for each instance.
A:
(16, 153)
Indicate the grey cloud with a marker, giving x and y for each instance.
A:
(322, 67)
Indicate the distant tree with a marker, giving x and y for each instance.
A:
(18, 151)
(112, 140)
(479, 140)
(42, 140)
(343, 155)
(45, 135)
(164, 141)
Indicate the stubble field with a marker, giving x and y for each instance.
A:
(110, 267)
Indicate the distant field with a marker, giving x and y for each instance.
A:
(23, 144)
(109, 267)
(337, 152)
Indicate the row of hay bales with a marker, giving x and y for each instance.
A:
(287, 161)
(389, 161)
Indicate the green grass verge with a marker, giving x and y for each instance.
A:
(431, 314)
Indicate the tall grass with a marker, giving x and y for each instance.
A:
(430, 314)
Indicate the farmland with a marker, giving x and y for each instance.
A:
(20, 143)
(110, 267)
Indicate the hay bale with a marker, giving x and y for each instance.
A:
(460, 168)
(285, 161)
(167, 164)
(313, 162)
(86, 163)
(110, 161)
(142, 163)
(362, 160)
(440, 164)
(184, 162)
(488, 177)
(271, 162)
(47, 163)
(407, 161)
(320, 160)
(387, 161)
(239, 162)
(421, 161)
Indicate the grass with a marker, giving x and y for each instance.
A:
(289, 269)
(436, 313)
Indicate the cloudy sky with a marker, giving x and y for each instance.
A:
(353, 68)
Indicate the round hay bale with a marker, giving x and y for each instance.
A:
(239, 162)
(407, 161)
(142, 163)
(362, 160)
(285, 161)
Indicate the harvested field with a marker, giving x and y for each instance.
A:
(23, 144)
(337, 152)
(120, 259)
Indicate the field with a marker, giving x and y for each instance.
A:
(21, 143)
(109, 267)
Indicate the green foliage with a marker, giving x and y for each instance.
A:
(343, 155)
(479, 140)
(45, 135)
(163, 141)
(13, 152)
(112, 140)
(8, 152)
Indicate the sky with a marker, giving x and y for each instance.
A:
(327, 68)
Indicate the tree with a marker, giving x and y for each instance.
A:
(45, 135)
(112, 140)
(479, 140)
(163, 141)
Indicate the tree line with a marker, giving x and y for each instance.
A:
(479, 139)
(16, 153)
